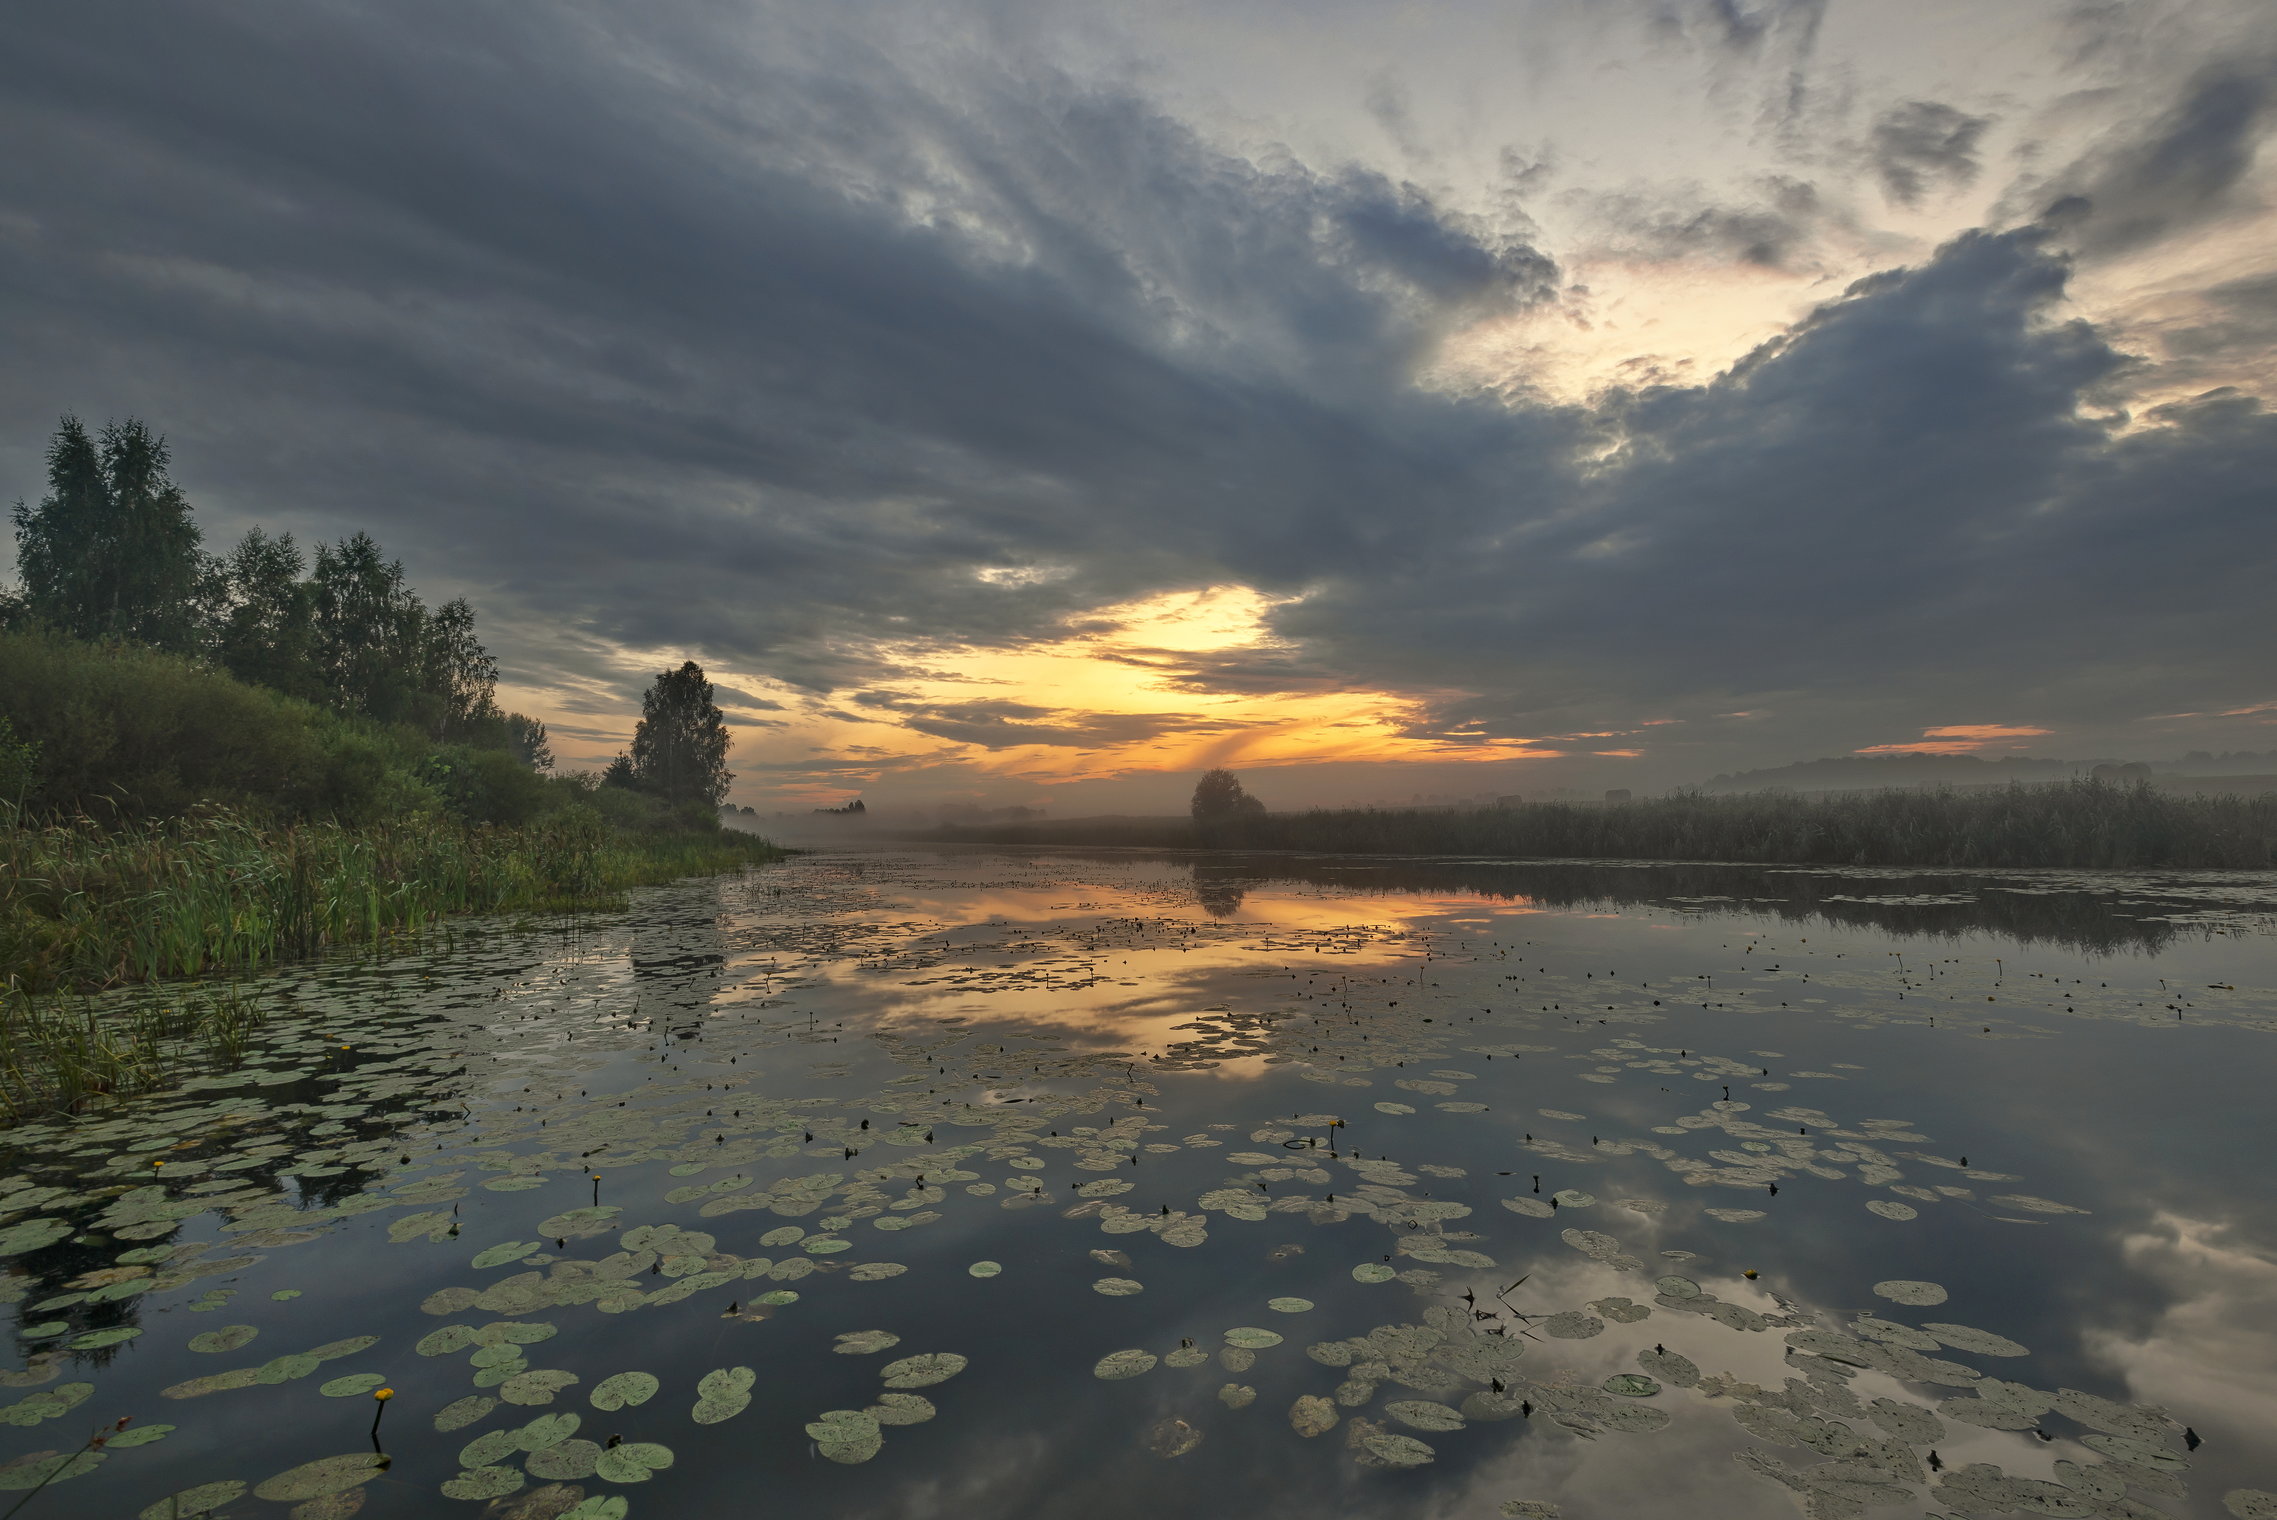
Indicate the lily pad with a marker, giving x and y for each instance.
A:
(1978, 1342)
(723, 1394)
(901, 1409)
(566, 1462)
(865, 1342)
(579, 1224)
(1117, 1365)
(1373, 1272)
(1630, 1385)
(1250, 1338)
(985, 1268)
(537, 1387)
(1312, 1415)
(1901, 1290)
(1118, 1287)
(499, 1255)
(1288, 1305)
(351, 1385)
(460, 1413)
(922, 1370)
(633, 1462)
(1385, 1449)
(876, 1271)
(188, 1503)
(1423, 1414)
(227, 1338)
(326, 1475)
(846, 1435)
(483, 1483)
(95, 1340)
(547, 1430)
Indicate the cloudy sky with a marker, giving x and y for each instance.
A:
(1018, 401)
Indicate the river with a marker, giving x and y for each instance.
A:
(909, 1182)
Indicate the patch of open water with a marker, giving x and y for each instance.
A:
(900, 1182)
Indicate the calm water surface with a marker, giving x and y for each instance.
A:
(906, 1183)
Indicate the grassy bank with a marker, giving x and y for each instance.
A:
(84, 907)
(2076, 823)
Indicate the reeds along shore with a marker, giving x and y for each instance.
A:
(84, 907)
(217, 896)
(2094, 824)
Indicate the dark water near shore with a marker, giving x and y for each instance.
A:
(1402, 1187)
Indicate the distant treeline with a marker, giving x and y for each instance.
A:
(2073, 823)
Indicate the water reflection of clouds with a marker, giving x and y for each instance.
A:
(2213, 1349)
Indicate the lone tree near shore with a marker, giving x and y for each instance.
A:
(679, 751)
(1219, 797)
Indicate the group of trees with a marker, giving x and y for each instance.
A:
(112, 551)
(113, 554)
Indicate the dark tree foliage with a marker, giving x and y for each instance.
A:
(110, 551)
(679, 751)
(265, 625)
(526, 737)
(1219, 796)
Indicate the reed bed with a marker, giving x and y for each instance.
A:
(84, 907)
(2087, 823)
(63, 1051)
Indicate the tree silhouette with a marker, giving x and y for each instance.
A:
(1219, 797)
(679, 751)
(110, 551)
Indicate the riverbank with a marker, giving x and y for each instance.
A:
(2090, 824)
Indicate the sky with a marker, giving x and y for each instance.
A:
(1019, 402)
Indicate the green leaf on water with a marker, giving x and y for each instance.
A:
(622, 1389)
(48, 1468)
(499, 1255)
(187, 1503)
(227, 1338)
(1423, 1414)
(547, 1430)
(140, 1435)
(846, 1435)
(876, 1271)
(1117, 1365)
(632, 1462)
(1288, 1305)
(96, 1339)
(901, 1409)
(723, 1394)
(777, 1297)
(985, 1268)
(865, 1342)
(537, 1387)
(1118, 1287)
(1373, 1272)
(1312, 1415)
(483, 1483)
(1902, 1290)
(566, 1462)
(923, 1370)
(353, 1384)
(1250, 1338)
(1631, 1385)
(600, 1507)
(326, 1475)
(460, 1413)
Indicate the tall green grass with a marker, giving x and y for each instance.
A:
(2076, 823)
(64, 1051)
(85, 907)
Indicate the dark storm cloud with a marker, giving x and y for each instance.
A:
(1924, 145)
(763, 333)
(1902, 504)
(1773, 229)
(2186, 168)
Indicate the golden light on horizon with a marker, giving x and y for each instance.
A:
(1160, 684)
